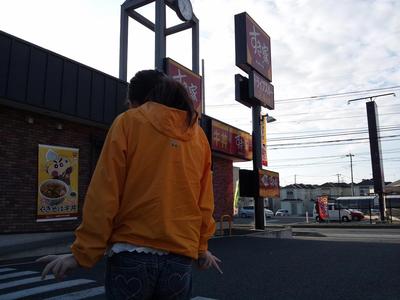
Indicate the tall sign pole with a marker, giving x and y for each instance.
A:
(253, 55)
(376, 155)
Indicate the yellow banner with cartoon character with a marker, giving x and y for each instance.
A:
(57, 196)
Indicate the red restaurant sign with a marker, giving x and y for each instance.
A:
(261, 90)
(269, 184)
(253, 46)
(231, 141)
(188, 78)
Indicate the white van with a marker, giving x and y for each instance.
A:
(335, 214)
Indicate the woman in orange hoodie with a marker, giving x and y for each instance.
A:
(150, 202)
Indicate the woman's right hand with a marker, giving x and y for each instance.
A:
(59, 265)
(207, 260)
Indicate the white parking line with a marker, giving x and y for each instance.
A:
(16, 274)
(80, 295)
(6, 270)
(44, 288)
(23, 281)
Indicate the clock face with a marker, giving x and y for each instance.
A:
(185, 9)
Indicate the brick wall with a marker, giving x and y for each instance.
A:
(19, 162)
(223, 187)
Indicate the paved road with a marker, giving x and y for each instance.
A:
(254, 268)
(274, 220)
(368, 235)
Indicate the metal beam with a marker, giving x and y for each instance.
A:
(123, 46)
(178, 28)
(133, 4)
(195, 45)
(160, 38)
(142, 20)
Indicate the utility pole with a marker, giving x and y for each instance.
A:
(295, 178)
(338, 178)
(351, 167)
(375, 149)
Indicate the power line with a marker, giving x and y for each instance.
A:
(340, 142)
(355, 162)
(299, 99)
(330, 130)
(302, 137)
(337, 94)
(389, 151)
(278, 115)
(333, 141)
(336, 118)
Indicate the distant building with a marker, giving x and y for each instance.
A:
(300, 198)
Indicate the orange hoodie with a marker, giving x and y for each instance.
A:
(152, 187)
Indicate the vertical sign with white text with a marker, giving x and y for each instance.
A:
(253, 46)
(189, 79)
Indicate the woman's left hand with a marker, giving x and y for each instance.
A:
(59, 265)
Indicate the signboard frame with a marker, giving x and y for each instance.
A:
(259, 40)
(261, 90)
(229, 137)
(170, 63)
(268, 184)
(58, 168)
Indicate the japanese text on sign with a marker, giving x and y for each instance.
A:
(269, 184)
(259, 45)
(231, 141)
(262, 90)
(190, 80)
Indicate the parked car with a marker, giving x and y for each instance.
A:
(248, 211)
(282, 212)
(356, 215)
(268, 213)
(336, 213)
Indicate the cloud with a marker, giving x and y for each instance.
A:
(318, 47)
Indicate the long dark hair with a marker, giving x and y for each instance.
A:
(171, 93)
(142, 83)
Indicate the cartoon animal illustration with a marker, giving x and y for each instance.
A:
(58, 167)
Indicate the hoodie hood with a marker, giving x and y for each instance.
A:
(167, 120)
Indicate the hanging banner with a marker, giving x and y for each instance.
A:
(269, 184)
(57, 196)
(190, 80)
(322, 207)
(264, 159)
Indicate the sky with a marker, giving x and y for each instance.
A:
(320, 48)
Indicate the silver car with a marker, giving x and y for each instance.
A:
(248, 211)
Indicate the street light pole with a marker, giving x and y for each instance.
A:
(351, 167)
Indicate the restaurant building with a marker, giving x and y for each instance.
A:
(54, 116)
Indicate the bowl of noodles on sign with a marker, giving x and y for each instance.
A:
(53, 191)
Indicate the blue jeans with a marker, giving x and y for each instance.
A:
(133, 275)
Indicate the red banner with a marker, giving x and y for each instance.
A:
(322, 207)
(264, 158)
